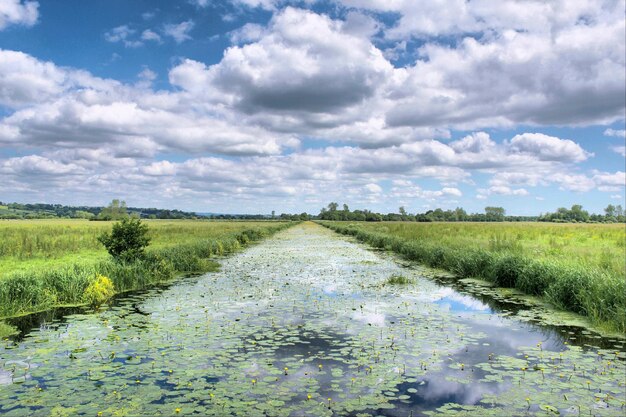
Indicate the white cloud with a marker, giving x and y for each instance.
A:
(150, 35)
(548, 148)
(25, 80)
(37, 165)
(373, 188)
(18, 12)
(200, 3)
(122, 34)
(620, 150)
(606, 181)
(485, 82)
(308, 77)
(478, 142)
(179, 32)
(305, 63)
(616, 133)
(250, 32)
(503, 190)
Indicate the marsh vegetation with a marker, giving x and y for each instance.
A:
(303, 324)
(580, 268)
(46, 263)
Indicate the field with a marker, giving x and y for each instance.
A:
(28, 244)
(577, 267)
(51, 262)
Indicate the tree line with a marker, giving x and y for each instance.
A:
(576, 214)
(116, 210)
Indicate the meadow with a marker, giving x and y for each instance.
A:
(576, 267)
(46, 263)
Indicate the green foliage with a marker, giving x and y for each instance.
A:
(127, 240)
(99, 291)
(398, 280)
(7, 330)
(116, 210)
(181, 247)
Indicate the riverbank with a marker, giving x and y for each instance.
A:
(583, 288)
(31, 289)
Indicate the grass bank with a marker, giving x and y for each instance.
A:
(581, 281)
(28, 284)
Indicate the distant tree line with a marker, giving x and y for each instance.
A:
(612, 214)
(491, 214)
(116, 210)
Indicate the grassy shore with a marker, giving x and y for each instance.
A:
(579, 268)
(48, 263)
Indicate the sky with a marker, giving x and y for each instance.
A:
(249, 106)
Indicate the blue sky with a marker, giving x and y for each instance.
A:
(260, 105)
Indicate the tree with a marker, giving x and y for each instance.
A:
(116, 210)
(577, 213)
(460, 214)
(610, 211)
(402, 211)
(127, 240)
(273, 214)
(332, 206)
(495, 214)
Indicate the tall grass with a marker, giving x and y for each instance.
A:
(36, 289)
(573, 284)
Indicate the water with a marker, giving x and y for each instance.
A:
(304, 324)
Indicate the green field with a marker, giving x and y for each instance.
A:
(44, 263)
(33, 244)
(577, 267)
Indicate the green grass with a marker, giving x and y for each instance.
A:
(398, 280)
(46, 263)
(579, 268)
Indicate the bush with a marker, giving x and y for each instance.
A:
(127, 239)
(99, 291)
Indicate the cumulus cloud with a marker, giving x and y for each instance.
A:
(25, 80)
(548, 148)
(305, 63)
(58, 107)
(241, 125)
(18, 12)
(250, 32)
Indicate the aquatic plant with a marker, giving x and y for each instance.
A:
(398, 280)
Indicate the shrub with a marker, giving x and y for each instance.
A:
(99, 291)
(127, 239)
